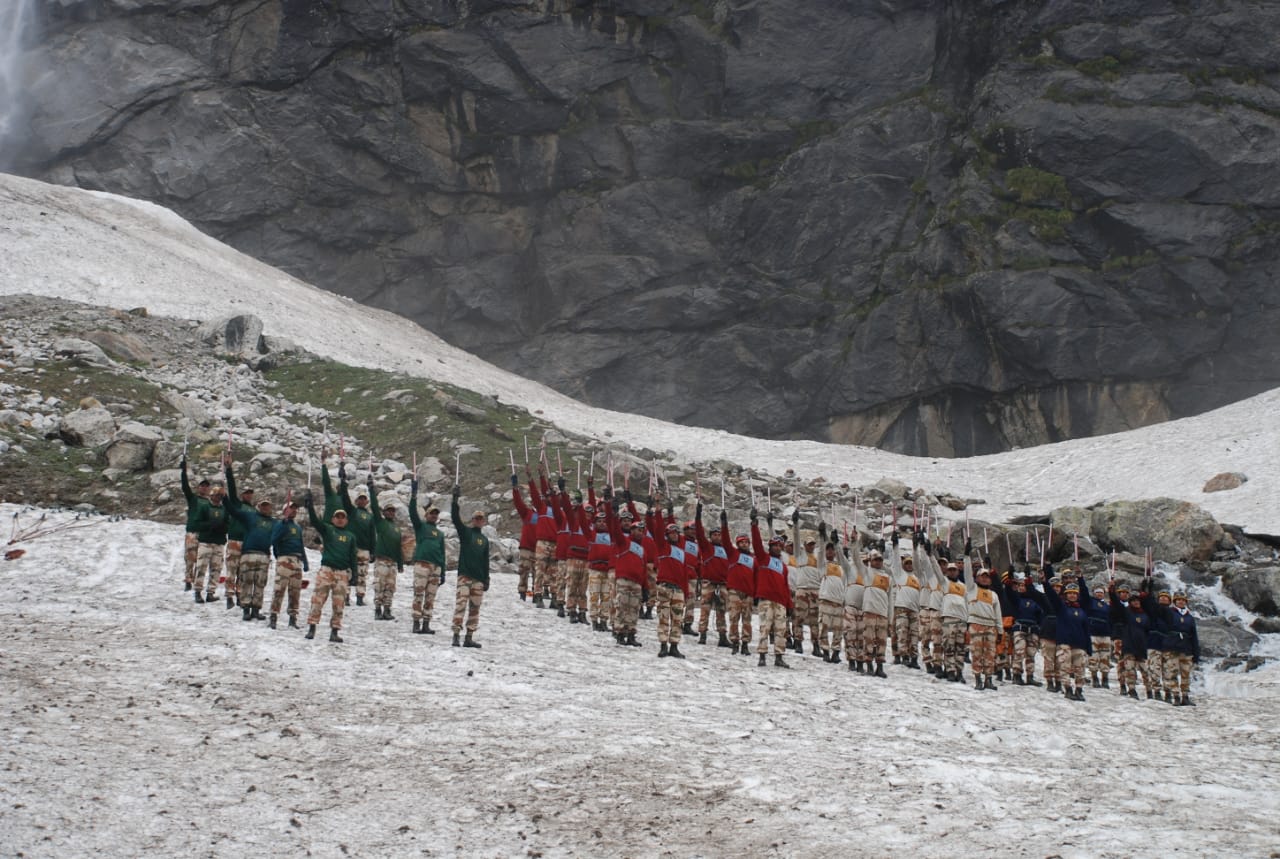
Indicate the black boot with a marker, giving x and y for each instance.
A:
(674, 651)
(835, 657)
(537, 601)
(386, 613)
(1106, 683)
(359, 599)
(231, 603)
(426, 627)
(1079, 695)
(761, 663)
(1017, 679)
(977, 681)
(1186, 701)
(687, 628)
(1168, 697)
(779, 662)
(724, 641)
(311, 631)
(1133, 693)
(662, 650)
(1096, 682)
(1150, 695)
(880, 670)
(1032, 681)
(457, 639)
(470, 642)
(246, 613)
(631, 640)
(734, 645)
(333, 636)
(293, 621)
(199, 596)
(987, 684)
(915, 662)
(560, 610)
(257, 613)
(702, 638)
(897, 660)
(862, 667)
(377, 612)
(852, 666)
(800, 646)
(272, 623)
(186, 586)
(417, 626)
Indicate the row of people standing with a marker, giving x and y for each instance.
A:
(231, 538)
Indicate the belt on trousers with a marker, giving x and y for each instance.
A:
(252, 552)
(669, 585)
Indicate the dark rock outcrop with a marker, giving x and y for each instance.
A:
(936, 226)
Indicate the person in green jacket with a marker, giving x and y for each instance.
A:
(428, 561)
(196, 502)
(211, 537)
(388, 555)
(255, 556)
(337, 567)
(235, 542)
(473, 571)
(332, 499)
(360, 522)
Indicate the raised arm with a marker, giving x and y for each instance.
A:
(414, 518)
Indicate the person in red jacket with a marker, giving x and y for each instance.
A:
(773, 592)
(599, 569)
(544, 556)
(672, 584)
(571, 553)
(629, 565)
(741, 583)
(714, 594)
(693, 571)
(528, 537)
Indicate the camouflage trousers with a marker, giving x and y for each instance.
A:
(576, 584)
(1155, 669)
(1130, 667)
(1100, 659)
(526, 570)
(739, 618)
(1177, 672)
(1025, 645)
(611, 595)
(670, 613)
(1004, 649)
(830, 624)
(651, 586)
(233, 567)
(773, 622)
(806, 614)
(627, 606)
(253, 578)
(855, 634)
(362, 570)
(384, 581)
(906, 633)
(598, 594)
(426, 583)
(713, 598)
(982, 648)
(466, 601)
(1071, 664)
(208, 561)
(329, 582)
(190, 547)
(544, 568)
(288, 580)
(875, 630)
(1049, 653)
(931, 635)
(953, 644)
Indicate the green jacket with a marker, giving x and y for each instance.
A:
(332, 500)
(430, 546)
(386, 533)
(361, 520)
(195, 504)
(211, 527)
(339, 551)
(473, 548)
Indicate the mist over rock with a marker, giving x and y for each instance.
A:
(938, 227)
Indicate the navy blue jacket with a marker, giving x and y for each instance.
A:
(1155, 638)
(1180, 632)
(1137, 627)
(1072, 623)
(1099, 612)
(1027, 609)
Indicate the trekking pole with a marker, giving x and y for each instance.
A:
(511, 455)
(457, 467)
(13, 532)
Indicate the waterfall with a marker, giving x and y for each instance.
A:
(17, 20)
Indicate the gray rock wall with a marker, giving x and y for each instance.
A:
(938, 227)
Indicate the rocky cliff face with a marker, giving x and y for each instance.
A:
(939, 227)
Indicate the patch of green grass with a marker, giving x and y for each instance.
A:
(71, 382)
(1131, 262)
(1049, 224)
(1032, 185)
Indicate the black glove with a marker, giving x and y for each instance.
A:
(560, 483)
(644, 595)
(986, 562)
(795, 517)
(591, 481)
(442, 577)
(968, 546)
(457, 492)
(342, 466)
(626, 495)
(352, 581)
(486, 586)
(768, 517)
(515, 481)
(755, 515)
(413, 486)
(671, 511)
(698, 511)
(724, 517)
(893, 538)
(822, 529)
(182, 463)
(307, 498)
(928, 546)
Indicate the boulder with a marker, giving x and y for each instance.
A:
(167, 477)
(189, 407)
(1225, 481)
(1222, 637)
(91, 427)
(121, 346)
(132, 447)
(1174, 530)
(1257, 589)
(1266, 625)
(81, 352)
(896, 489)
(167, 454)
(431, 472)
(233, 335)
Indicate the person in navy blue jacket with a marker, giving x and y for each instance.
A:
(1025, 606)
(1072, 637)
(1098, 608)
(1181, 650)
(1133, 633)
(1155, 602)
(1118, 621)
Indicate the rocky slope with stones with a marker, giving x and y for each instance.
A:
(933, 226)
(96, 406)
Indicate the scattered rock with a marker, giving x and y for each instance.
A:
(88, 427)
(81, 352)
(1175, 530)
(896, 489)
(459, 409)
(1257, 590)
(1221, 637)
(1250, 663)
(122, 347)
(1225, 481)
(1266, 625)
(189, 407)
(233, 335)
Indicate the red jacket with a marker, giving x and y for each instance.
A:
(771, 573)
(600, 549)
(629, 555)
(580, 532)
(546, 525)
(742, 566)
(528, 530)
(714, 558)
(560, 504)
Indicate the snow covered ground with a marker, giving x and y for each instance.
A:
(135, 721)
(113, 251)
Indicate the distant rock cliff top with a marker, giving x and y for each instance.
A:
(938, 227)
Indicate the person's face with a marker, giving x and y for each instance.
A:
(340, 519)
(478, 520)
